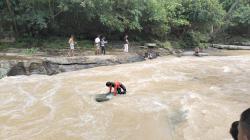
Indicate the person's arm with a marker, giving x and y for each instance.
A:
(110, 88)
(115, 89)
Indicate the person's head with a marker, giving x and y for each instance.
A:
(244, 126)
(72, 36)
(108, 84)
(234, 130)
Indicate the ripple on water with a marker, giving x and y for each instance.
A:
(168, 98)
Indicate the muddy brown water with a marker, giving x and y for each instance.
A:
(169, 98)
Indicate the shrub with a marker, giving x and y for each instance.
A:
(30, 51)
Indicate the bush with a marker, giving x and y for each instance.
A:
(30, 51)
(194, 39)
(191, 40)
(177, 44)
(166, 45)
(85, 44)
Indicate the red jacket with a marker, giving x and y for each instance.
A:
(117, 85)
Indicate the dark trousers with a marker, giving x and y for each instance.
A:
(103, 50)
(121, 90)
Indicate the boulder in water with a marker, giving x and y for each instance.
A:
(103, 97)
(37, 68)
(18, 69)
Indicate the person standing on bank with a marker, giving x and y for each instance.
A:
(103, 45)
(126, 43)
(97, 45)
(71, 45)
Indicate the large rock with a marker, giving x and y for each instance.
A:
(18, 69)
(37, 68)
(231, 47)
(54, 65)
(242, 43)
(191, 53)
(6, 66)
(3, 72)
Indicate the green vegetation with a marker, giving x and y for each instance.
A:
(30, 51)
(32, 45)
(184, 23)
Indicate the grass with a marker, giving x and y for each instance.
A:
(32, 45)
(85, 44)
(30, 51)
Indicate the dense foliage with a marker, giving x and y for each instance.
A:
(141, 18)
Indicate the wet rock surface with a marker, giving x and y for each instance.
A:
(232, 47)
(13, 63)
(20, 65)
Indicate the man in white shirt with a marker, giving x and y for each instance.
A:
(97, 45)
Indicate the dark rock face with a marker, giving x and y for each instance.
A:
(22, 68)
(51, 66)
(18, 69)
(36, 68)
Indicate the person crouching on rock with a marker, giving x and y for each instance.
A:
(119, 88)
(197, 51)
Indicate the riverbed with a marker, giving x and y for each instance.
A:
(169, 98)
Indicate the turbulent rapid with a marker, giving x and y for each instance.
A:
(169, 98)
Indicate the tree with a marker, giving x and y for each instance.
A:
(203, 13)
(241, 16)
(146, 18)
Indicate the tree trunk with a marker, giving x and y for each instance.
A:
(51, 13)
(13, 17)
(212, 29)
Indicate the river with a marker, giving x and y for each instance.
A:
(169, 98)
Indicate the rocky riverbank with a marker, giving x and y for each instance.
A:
(232, 47)
(48, 62)
(12, 65)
